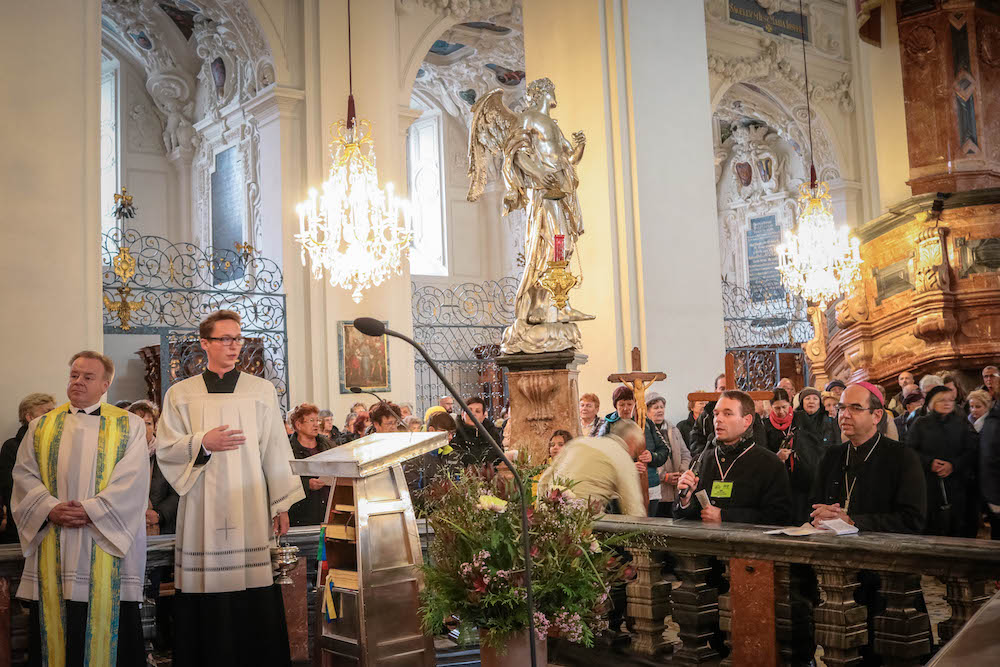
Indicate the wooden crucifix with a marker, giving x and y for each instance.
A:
(638, 381)
(730, 384)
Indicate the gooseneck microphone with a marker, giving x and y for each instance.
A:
(387, 404)
(369, 326)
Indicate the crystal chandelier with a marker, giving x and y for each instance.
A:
(354, 231)
(818, 261)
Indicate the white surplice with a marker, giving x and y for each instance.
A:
(118, 513)
(227, 504)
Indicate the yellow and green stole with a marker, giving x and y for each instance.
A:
(105, 570)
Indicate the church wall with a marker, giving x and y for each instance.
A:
(49, 259)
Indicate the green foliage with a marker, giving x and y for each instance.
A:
(476, 573)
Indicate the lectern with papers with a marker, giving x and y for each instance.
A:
(369, 554)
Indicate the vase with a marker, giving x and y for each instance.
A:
(517, 654)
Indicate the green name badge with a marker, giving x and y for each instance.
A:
(722, 489)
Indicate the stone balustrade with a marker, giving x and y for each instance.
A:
(764, 617)
(766, 570)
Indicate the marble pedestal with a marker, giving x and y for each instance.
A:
(544, 397)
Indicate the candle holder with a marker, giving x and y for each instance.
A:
(558, 281)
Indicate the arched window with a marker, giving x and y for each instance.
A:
(110, 141)
(428, 252)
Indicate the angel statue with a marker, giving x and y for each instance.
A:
(539, 175)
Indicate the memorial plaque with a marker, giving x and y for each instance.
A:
(762, 259)
(228, 197)
(750, 12)
(892, 279)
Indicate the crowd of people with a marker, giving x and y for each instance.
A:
(925, 460)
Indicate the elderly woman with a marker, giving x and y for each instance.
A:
(31, 406)
(305, 442)
(678, 455)
(161, 515)
(811, 416)
(948, 448)
(792, 436)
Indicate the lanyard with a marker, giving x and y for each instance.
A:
(723, 474)
(850, 488)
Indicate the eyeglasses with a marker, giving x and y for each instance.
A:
(853, 409)
(228, 340)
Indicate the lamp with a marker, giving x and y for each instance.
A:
(818, 261)
(353, 230)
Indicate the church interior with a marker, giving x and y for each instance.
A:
(590, 216)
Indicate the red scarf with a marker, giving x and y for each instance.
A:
(781, 424)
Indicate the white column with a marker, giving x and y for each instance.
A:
(49, 185)
(633, 75)
(675, 196)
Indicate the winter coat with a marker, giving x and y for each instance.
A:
(656, 444)
(947, 438)
(989, 457)
(678, 460)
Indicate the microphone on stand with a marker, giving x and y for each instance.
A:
(369, 326)
(387, 404)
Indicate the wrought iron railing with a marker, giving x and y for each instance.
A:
(155, 286)
(760, 333)
(461, 327)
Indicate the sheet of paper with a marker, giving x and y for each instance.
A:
(835, 526)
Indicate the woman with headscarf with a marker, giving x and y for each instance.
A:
(810, 416)
(795, 443)
(948, 448)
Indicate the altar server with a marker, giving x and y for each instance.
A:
(81, 484)
(222, 446)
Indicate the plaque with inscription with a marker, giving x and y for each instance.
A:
(228, 197)
(762, 259)
(791, 24)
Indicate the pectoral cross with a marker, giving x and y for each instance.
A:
(638, 381)
(226, 528)
(730, 384)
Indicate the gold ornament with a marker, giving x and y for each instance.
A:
(558, 281)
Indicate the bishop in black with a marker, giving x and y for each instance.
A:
(745, 482)
(872, 482)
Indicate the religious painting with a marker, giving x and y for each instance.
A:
(182, 18)
(743, 172)
(505, 76)
(364, 360)
(142, 39)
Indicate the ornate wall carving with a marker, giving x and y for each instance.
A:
(459, 9)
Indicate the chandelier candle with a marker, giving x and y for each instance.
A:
(354, 231)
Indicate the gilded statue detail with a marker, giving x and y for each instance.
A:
(539, 176)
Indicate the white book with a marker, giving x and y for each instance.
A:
(835, 526)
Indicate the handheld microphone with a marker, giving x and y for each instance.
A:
(369, 326)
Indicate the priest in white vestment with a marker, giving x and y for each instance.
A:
(81, 485)
(222, 446)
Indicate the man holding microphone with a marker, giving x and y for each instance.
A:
(744, 482)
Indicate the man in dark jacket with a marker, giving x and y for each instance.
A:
(873, 483)
(746, 483)
(910, 405)
(469, 444)
(989, 467)
(703, 431)
(948, 449)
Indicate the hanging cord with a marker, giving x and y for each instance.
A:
(351, 115)
(805, 70)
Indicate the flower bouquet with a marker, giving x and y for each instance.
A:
(476, 571)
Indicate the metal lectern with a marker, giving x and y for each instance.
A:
(370, 579)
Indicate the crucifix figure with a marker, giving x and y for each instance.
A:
(638, 381)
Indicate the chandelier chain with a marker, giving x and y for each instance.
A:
(805, 71)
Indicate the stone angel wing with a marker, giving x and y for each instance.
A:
(492, 122)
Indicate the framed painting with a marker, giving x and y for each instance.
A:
(364, 360)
